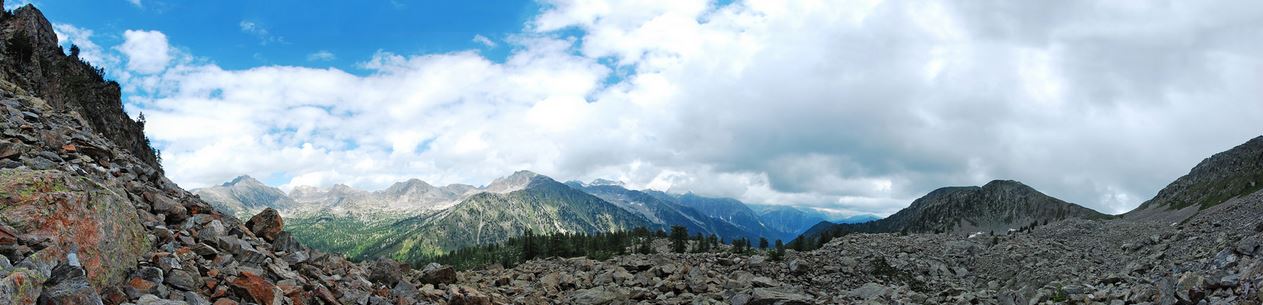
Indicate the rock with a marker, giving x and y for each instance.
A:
(385, 271)
(438, 274)
(1249, 246)
(797, 266)
(195, 299)
(226, 301)
(870, 291)
(779, 296)
(267, 224)
(150, 299)
(258, 289)
(1190, 288)
(184, 280)
(763, 281)
(598, 296)
(164, 205)
(8, 235)
(68, 285)
(211, 231)
(9, 150)
(757, 260)
(467, 296)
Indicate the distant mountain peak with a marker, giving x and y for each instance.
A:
(517, 181)
(606, 182)
(410, 185)
(243, 180)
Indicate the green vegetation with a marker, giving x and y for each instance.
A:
(599, 246)
(529, 246)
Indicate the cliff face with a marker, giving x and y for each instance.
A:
(32, 63)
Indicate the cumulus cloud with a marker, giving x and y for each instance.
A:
(321, 55)
(846, 106)
(68, 35)
(147, 52)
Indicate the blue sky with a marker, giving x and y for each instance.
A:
(846, 106)
(241, 34)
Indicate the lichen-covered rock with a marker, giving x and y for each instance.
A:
(72, 212)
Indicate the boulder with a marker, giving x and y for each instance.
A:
(184, 280)
(97, 222)
(466, 296)
(68, 285)
(870, 291)
(779, 296)
(150, 299)
(1190, 288)
(267, 224)
(438, 274)
(257, 288)
(598, 296)
(163, 205)
(385, 271)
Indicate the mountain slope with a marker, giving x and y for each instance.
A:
(244, 196)
(541, 205)
(997, 206)
(664, 213)
(1223, 176)
(730, 210)
(788, 219)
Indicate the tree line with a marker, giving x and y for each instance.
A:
(599, 246)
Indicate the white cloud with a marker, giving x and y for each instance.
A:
(322, 55)
(851, 106)
(147, 52)
(483, 40)
(68, 35)
(136, 3)
(259, 31)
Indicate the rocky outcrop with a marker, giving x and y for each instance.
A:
(34, 66)
(1223, 176)
(83, 220)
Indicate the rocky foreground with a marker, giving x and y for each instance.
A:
(1213, 258)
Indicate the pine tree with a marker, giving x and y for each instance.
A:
(528, 251)
(762, 243)
(679, 237)
(646, 245)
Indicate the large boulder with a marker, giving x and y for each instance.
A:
(94, 220)
(385, 271)
(267, 224)
(435, 274)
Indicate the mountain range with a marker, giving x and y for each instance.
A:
(412, 218)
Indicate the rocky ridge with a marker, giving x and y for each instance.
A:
(998, 206)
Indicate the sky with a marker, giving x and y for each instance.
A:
(848, 107)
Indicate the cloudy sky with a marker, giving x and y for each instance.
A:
(847, 106)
